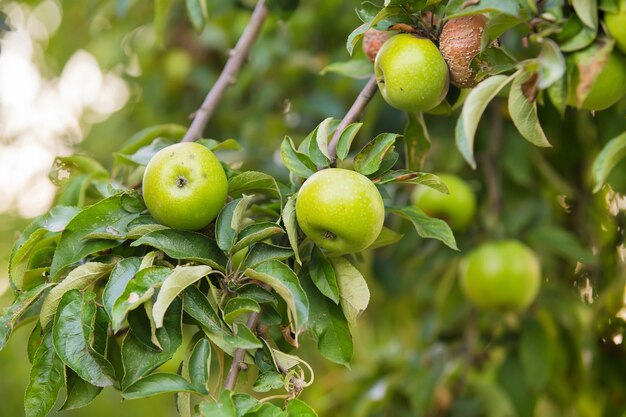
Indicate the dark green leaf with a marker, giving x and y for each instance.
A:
(496, 26)
(458, 8)
(79, 392)
(296, 162)
(251, 182)
(524, 114)
(244, 403)
(16, 310)
(239, 305)
(416, 141)
(182, 244)
(214, 145)
(369, 159)
(46, 379)
(224, 407)
(122, 273)
(255, 233)
(587, 11)
(21, 258)
(409, 177)
(346, 138)
(268, 381)
(197, 12)
(357, 68)
(200, 366)
(426, 227)
(229, 222)
(536, 354)
(298, 408)
(323, 275)
(353, 290)
(285, 282)
(156, 384)
(72, 332)
(140, 360)
(385, 238)
(610, 155)
(355, 36)
(291, 225)
(262, 252)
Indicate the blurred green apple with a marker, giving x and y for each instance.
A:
(608, 87)
(616, 24)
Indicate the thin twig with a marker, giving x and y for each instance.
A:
(229, 73)
(238, 357)
(352, 115)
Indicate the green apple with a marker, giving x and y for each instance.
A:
(501, 276)
(616, 24)
(411, 73)
(608, 87)
(340, 210)
(184, 186)
(457, 208)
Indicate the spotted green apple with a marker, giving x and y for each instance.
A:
(184, 186)
(411, 73)
(608, 87)
(340, 210)
(501, 276)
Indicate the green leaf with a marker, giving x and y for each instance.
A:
(46, 379)
(346, 138)
(138, 290)
(496, 26)
(268, 381)
(473, 109)
(560, 241)
(239, 305)
(551, 64)
(229, 222)
(253, 182)
(355, 36)
(110, 215)
(182, 244)
(323, 275)
(319, 141)
(285, 282)
(140, 360)
(416, 141)
(357, 68)
(536, 353)
(161, 14)
(72, 332)
(385, 238)
(353, 290)
(426, 227)
(329, 325)
(65, 167)
(21, 304)
(244, 403)
(298, 163)
(141, 322)
(145, 136)
(145, 153)
(200, 366)
(214, 145)
(458, 8)
(409, 177)
(180, 278)
(524, 114)
(283, 8)
(255, 233)
(224, 407)
(157, 384)
(291, 225)
(369, 159)
(610, 155)
(267, 410)
(20, 259)
(587, 11)
(80, 278)
(79, 392)
(262, 252)
(298, 408)
(197, 12)
(121, 275)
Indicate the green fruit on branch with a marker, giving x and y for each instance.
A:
(373, 40)
(457, 208)
(411, 73)
(184, 186)
(340, 210)
(459, 43)
(608, 87)
(501, 276)
(616, 24)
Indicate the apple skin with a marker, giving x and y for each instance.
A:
(501, 276)
(616, 24)
(184, 186)
(411, 73)
(607, 89)
(457, 208)
(340, 210)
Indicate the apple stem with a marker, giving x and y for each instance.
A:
(351, 116)
(239, 356)
(228, 75)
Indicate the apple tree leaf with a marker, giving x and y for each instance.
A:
(426, 227)
(346, 138)
(587, 11)
(262, 252)
(21, 304)
(222, 407)
(253, 182)
(524, 113)
(323, 275)
(298, 408)
(357, 68)
(298, 163)
(385, 238)
(416, 141)
(182, 244)
(156, 384)
(410, 177)
(146, 136)
(197, 12)
(229, 222)
(46, 379)
(551, 64)
(122, 273)
(353, 290)
(199, 366)
(369, 159)
(610, 155)
(79, 392)
(237, 306)
(458, 8)
(291, 225)
(255, 233)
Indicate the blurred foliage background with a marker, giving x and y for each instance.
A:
(420, 349)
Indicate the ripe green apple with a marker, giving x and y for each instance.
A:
(340, 210)
(457, 208)
(501, 276)
(608, 87)
(411, 73)
(184, 186)
(616, 24)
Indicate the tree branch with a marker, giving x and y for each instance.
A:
(238, 357)
(229, 72)
(352, 115)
